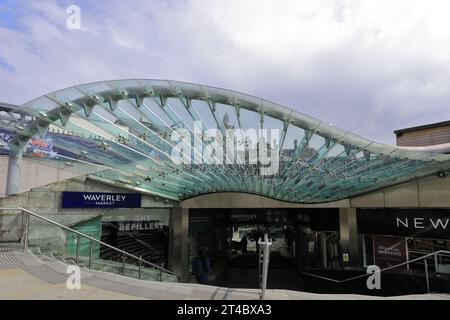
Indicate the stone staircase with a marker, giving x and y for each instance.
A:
(40, 275)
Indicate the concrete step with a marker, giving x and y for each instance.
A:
(10, 246)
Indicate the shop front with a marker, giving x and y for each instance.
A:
(395, 236)
(141, 232)
(317, 239)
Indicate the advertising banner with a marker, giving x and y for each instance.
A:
(389, 251)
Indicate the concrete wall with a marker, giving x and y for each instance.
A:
(36, 172)
(46, 201)
(245, 200)
(426, 192)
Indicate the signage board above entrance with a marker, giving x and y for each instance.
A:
(100, 200)
(418, 223)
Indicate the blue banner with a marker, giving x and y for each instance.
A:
(100, 200)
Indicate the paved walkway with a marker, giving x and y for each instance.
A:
(27, 276)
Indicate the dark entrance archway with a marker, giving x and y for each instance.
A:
(301, 240)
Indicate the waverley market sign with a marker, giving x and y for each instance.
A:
(100, 200)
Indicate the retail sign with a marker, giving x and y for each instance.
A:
(244, 217)
(389, 251)
(424, 223)
(100, 200)
(140, 225)
(258, 216)
(419, 223)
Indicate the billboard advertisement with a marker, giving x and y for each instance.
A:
(389, 251)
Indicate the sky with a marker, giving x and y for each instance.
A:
(369, 67)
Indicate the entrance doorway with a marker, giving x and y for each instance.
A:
(301, 240)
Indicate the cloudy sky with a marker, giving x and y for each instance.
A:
(366, 66)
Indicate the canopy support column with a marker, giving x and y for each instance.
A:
(349, 239)
(179, 251)
(14, 173)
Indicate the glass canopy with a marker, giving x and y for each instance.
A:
(132, 131)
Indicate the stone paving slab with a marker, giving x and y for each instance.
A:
(28, 277)
(17, 284)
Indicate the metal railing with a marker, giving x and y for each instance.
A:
(437, 258)
(25, 234)
(433, 255)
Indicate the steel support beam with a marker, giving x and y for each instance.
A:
(323, 249)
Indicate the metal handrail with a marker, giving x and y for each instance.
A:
(419, 251)
(28, 212)
(439, 252)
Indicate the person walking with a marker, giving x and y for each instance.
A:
(201, 266)
(244, 243)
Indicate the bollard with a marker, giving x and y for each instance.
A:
(265, 267)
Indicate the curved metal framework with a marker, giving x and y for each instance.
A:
(126, 128)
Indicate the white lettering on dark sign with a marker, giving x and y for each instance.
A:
(389, 251)
(104, 199)
(419, 223)
(140, 225)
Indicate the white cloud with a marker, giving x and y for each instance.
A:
(367, 66)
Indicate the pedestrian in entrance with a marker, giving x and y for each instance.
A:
(201, 266)
(244, 245)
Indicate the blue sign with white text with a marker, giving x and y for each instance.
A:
(100, 200)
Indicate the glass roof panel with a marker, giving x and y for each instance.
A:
(123, 129)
